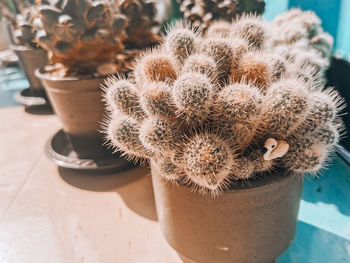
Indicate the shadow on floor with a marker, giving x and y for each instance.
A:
(315, 245)
(39, 110)
(331, 188)
(134, 186)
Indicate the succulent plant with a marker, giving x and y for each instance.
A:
(84, 34)
(222, 111)
(23, 21)
(25, 29)
(303, 31)
(203, 12)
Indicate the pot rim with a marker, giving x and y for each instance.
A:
(41, 74)
(24, 48)
(261, 183)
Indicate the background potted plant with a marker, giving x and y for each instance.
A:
(23, 24)
(203, 13)
(230, 127)
(87, 40)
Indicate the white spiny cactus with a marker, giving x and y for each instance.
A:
(215, 109)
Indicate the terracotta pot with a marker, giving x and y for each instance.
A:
(31, 59)
(5, 34)
(78, 104)
(251, 224)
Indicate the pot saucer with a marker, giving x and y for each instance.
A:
(60, 150)
(29, 98)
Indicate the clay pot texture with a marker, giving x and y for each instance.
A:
(31, 59)
(78, 104)
(248, 224)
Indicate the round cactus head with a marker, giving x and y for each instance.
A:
(121, 95)
(156, 101)
(157, 135)
(219, 29)
(123, 132)
(254, 68)
(253, 29)
(180, 42)
(201, 63)
(223, 53)
(238, 102)
(192, 94)
(207, 161)
(153, 67)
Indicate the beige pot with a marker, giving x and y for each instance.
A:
(251, 224)
(31, 59)
(78, 104)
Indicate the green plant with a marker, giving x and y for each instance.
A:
(85, 34)
(225, 112)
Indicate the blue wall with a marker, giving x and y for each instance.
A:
(335, 15)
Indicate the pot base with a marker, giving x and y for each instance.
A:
(60, 150)
(30, 98)
(187, 260)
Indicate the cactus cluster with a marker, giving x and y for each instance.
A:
(311, 45)
(83, 34)
(202, 13)
(208, 111)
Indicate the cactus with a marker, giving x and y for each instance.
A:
(192, 94)
(207, 162)
(202, 64)
(254, 68)
(253, 29)
(156, 101)
(203, 13)
(83, 34)
(157, 135)
(153, 67)
(303, 28)
(124, 132)
(232, 112)
(223, 53)
(122, 96)
(180, 42)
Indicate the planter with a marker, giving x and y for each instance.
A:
(6, 34)
(78, 104)
(251, 224)
(3, 42)
(31, 59)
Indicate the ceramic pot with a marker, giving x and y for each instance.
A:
(78, 104)
(5, 34)
(3, 42)
(31, 59)
(248, 224)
